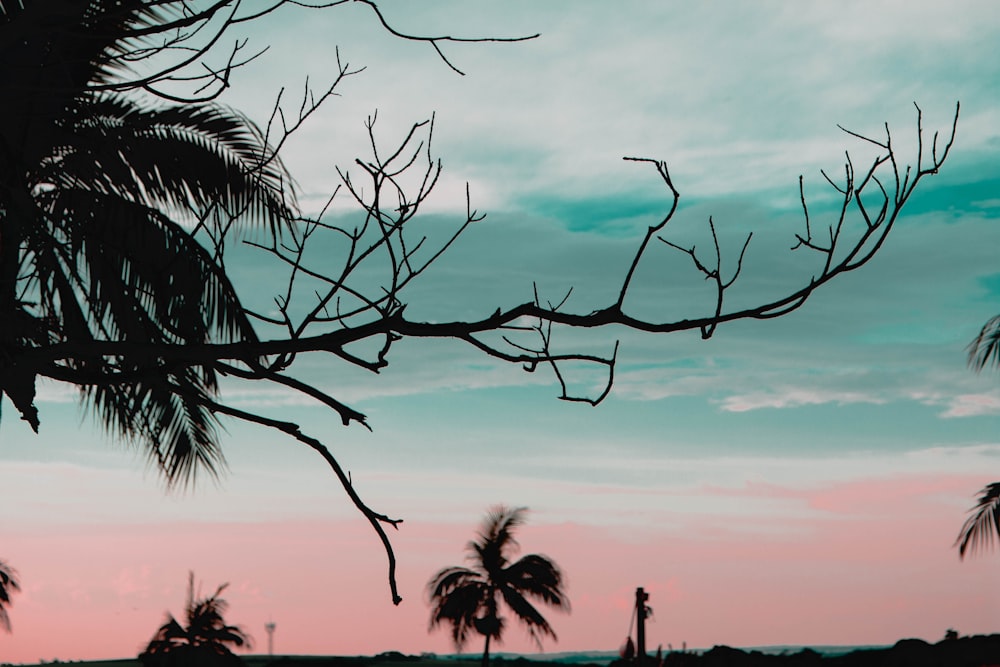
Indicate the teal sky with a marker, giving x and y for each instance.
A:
(855, 414)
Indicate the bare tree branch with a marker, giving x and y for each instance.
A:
(145, 340)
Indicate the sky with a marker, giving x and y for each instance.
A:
(792, 481)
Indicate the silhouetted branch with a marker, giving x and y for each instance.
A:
(374, 518)
(184, 38)
(433, 41)
(386, 314)
(350, 305)
(145, 338)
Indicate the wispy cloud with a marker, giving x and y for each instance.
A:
(963, 404)
(973, 405)
(792, 397)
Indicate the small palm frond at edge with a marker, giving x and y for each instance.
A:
(982, 526)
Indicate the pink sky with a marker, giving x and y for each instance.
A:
(873, 567)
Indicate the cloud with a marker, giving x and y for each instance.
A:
(990, 204)
(559, 112)
(744, 389)
(792, 397)
(973, 405)
(962, 405)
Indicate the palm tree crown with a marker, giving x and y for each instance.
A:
(95, 191)
(202, 640)
(470, 598)
(8, 584)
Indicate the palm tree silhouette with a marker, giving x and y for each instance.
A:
(95, 192)
(983, 523)
(8, 584)
(469, 598)
(202, 641)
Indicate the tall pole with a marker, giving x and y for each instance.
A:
(641, 597)
(270, 638)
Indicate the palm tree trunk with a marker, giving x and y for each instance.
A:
(486, 653)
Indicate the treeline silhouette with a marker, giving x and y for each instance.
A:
(974, 651)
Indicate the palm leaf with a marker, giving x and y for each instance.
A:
(496, 537)
(143, 274)
(67, 44)
(167, 635)
(450, 578)
(538, 577)
(456, 595)
(527, 614)
(984, 350)
(983, 524)
(163, 415)
(185, 158)
(8, 584)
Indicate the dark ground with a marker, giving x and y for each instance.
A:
(976, 651)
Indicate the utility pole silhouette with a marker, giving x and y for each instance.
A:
(641, 611)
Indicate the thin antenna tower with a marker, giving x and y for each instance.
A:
(269, 626)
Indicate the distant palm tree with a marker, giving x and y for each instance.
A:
(203, 640)
(983, 522)
(94, 188)
(470, 598)
(8, 584)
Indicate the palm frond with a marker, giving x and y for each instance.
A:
(496, 537)
(168, 634)
(145, 277)
(527, 614)
(107, 268)
(538, 577)
(186, 158)
(456, 595)
(8, 584)
(162, 414)
(450, 578)
(984, 350)
(68, 44)
(983, 524)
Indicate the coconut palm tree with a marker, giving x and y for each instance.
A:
(8, 584)
(983, 523)
(470, 598)
(95, 191)
(202, 641)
